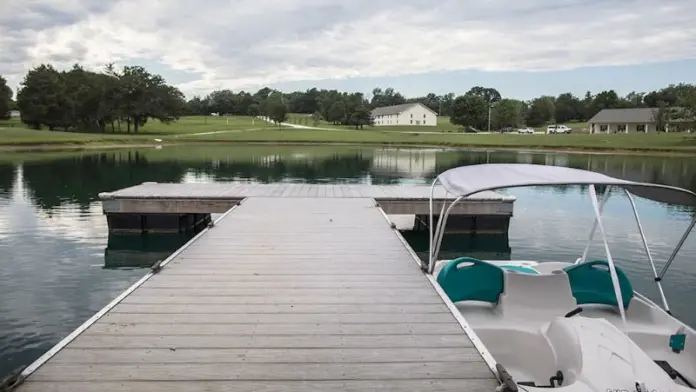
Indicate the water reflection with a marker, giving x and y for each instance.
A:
(78, 178)
(481, 246)
(128, 251)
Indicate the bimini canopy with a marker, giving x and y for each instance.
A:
(467, 180)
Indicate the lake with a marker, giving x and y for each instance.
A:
(59, 265)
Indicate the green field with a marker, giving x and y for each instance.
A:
(245, 130)
(443, 125)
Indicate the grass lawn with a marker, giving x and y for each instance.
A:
(242, 130)
(185, 125)
(636, 142)
(443, 125)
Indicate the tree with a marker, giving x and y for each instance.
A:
(470, 111)
(661, 116)
(360, 117)
(508, 113)
(6, 103)
(277, 111)
(337, 112)
(568, 108)
(541, 111)
(41, 99)
(254, 110)
(489, 95)
(388, 97)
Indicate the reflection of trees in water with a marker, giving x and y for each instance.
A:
(673, 171)
(7, 174)
(80, 179)
(679, 172)
(350, 168)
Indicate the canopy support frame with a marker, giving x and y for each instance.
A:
(436, 235)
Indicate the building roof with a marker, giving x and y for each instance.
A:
(396, 109)
(623, 116)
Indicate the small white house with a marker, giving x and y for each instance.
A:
(408, 114)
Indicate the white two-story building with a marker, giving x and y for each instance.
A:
(409, 114)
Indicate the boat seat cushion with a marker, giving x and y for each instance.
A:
(536, 296)
(470, 279)
(591, 283)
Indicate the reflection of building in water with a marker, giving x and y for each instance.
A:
(415, 164)
(555, 159)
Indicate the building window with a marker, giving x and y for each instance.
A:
(423, 122)
(411, 121)
(423, 115)
(411, 115)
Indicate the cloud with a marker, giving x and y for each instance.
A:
(247, 43)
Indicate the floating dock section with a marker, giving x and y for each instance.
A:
(281, 294)
(166, 208)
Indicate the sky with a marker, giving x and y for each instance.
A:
(522, 48)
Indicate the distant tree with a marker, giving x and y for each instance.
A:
(541, 111)
(605, 100)
(568, 108)
(337, 112)
(277, 111)
(388, 97)
(508, 113)
(360, 117)
(42, 99)
(222, 102)
(661, 116)
(254, 110)
(6, 103)
(470, 111)
(489, 95)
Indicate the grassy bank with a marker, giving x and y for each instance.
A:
(443, 125)
(246, 130)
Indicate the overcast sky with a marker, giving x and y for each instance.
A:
(523, 48)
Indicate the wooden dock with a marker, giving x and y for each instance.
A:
(158, 207)
(282, 294)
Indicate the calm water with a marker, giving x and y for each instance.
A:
(58, 265)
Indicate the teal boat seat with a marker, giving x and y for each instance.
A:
(470, 279)
(591, 283)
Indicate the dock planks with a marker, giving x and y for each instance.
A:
(283, 294)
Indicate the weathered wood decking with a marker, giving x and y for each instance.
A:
(153, 207)
(153, 197)
(283, 294)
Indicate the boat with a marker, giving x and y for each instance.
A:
(573, 325)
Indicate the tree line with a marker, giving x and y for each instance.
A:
(469, 110)
(78, 99)
(125, 99)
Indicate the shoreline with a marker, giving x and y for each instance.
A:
(47, 147)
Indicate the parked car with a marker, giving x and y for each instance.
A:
(558, 129)
(525, 130)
